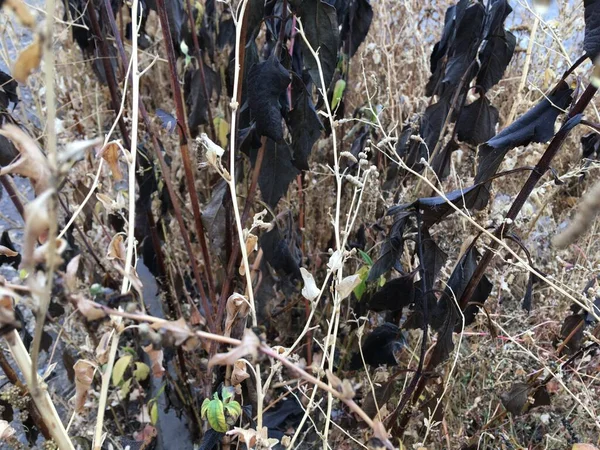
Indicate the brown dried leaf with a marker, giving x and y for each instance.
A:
(248, 346)
(251, 241)
(84, 376)
(37, 223)
(515, 400)
(28, 60)
(239, 373)
(103, 348)
(40, 254)
(5, 251)
(178, 330)
(584, 447)
(237, 308)
(156, 360)
(71, 273)
(7, 313)
(110, 154)
(116, 248)
(21, 11)
(90, 310)
(344, 387)
(32, 163)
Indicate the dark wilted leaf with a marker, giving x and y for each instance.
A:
(434, 258)
(276, 173)
(304, 125)
(266, 82)
(287, 412)
(277, 253)
(392, 248)
(498, 12)
(321, 27)
(536, 125)
(528, 297)
(197, 104)
(437, 208)
(226, 33)
(356, 24)
(5, 241)
(572, 328)
(213, 217)
(394, 295)
(176, 15)
(432, 124)
(168, 121)
(441, 161)
(444, 344)
(515, 400)
(255, 10)
(590, 144)
(8, 152)
(379, 347)
(477, 122)
(248, 139)
(8, 90)
(494, 57)
(591, 40)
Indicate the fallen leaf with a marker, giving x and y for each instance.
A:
(27, 61)
(84, 376)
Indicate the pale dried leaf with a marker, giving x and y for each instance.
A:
(37, 223)
(6, 431)
(248, 346)
(178, 330)
(28, 60)
(251, 241)
(31, 163)
(90, 310)
(103, 348)
(116, 248)
(84, 376)
(21, 11)
(584, 447)
(110, 154)
(310, 291)
(5, 251)
(40, 254)
(237, 308)
(347, 285)
(239, 373)
(71, 273)
(156, 360)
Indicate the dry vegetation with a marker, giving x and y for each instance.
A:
(153, 396)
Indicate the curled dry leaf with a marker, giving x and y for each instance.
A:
(239, 373)
(110, 154)
(40, 254)
(344, 387)
(37, 223)
(84, 376)
(31, 163)
(251, 241)
(237, 308)
(28, 60)
(5, 251)
(156, 360)
(90, 310)
(21, 11)
(102, 348)
(71, 273)
(6, 431)
(116, 249)
(248, 346)
(179, 332)
(310, 291)
(347, 285)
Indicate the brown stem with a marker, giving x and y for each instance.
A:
(183, 139)
(10, 188)
(166, 175)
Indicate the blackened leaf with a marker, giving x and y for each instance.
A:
(226, 34)
(536, 125)
(528, 297)
(432, 124)
(437, 208)
(304, 125)
(277, 253)
(394, 295)
(255, 11)
(572, 328)
(494, 24)
(276, 173)
(8, 152)
(495, 55)
(266, 82)
(176, 15)
(391, 249)
(195, 99)
(168, 121)
(477, 122)
(434, 258)
(356, 25)
(515, 400)
(590, 144)
(12, 260)
(321, 27)
(213, 217)
(441, 161)
(591, 40)
(444, 344)
(8, 90)
(286, 411)
(379, 347)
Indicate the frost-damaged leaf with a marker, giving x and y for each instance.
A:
(276, 173)
(516, 401)
(239, 374)
(591, 40)
(590, 144)
(477, 122)
(195, 100)
(37, 223)
(380, 347)
(27, 61)
(255, 11)
(310, 291)
(494, 57)
(394, 295)
(32, 163)
(437, 208)
(392, 248)
(267, 81)
(84, 375)
(213, 216)
(277, 253)
(434, 258)
(356, 24)
(248, 346)
(321, 27)
(237, 307)
(432, 124)
(536, 125)
(304, 125)
(8, 152)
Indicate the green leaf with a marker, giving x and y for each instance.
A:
(204, 408)
(233, 411)
(125, 387)
(141, 371)
(366, 258)
(338, 93)
(216, 416)
(154, 413)
(227, 393)
(119, 369)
